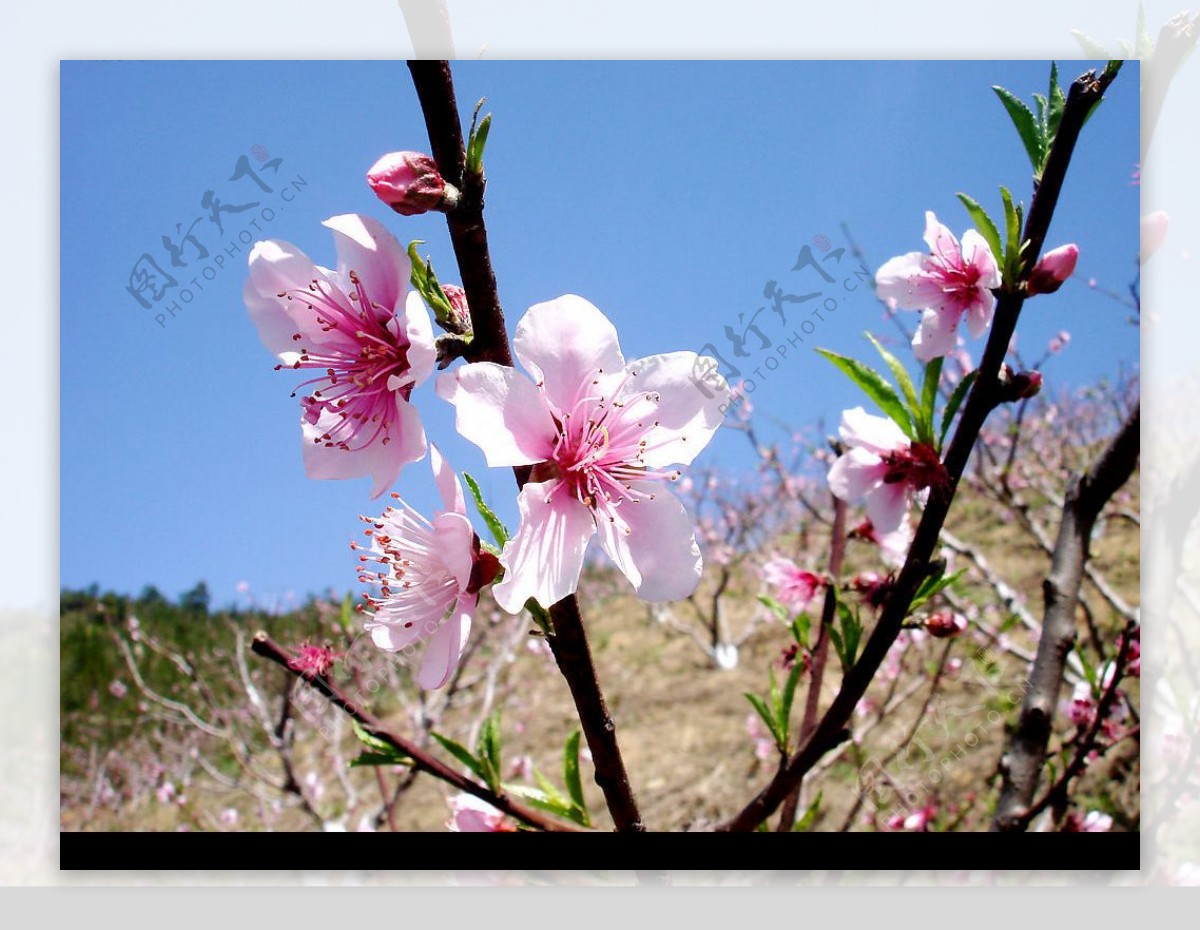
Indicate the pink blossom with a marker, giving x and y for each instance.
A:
(945, 283)
(945, 623)
(469, 814)
(459, 308)
(1094, 822)
(316, 659)
(429, 578)
(165, 792)
(881, 467)
(599, 433)
(872, 587)
(117, 688)
(368, 343)
(228, 817)
(1082, 707)
(764, 744)
(916, 821)
(1052, 270)
(794, 587)
(408, 182)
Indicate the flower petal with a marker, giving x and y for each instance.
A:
(454, 541)
(887, 506)
(978, 255)
(545, 556)
(446, 645)
(653, 544)
(447, 481)
(563, 343)
(855, 474)
(422, 352)
(940, 240)
(276, 267)
(979, 314)
(937, 335)
(501, 411)
(878, 434)
(685, 414)
(905, 280)
(406, 444)
(365, 247)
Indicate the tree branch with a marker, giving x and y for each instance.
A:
(1021, 765)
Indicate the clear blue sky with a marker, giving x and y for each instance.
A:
(666, 193)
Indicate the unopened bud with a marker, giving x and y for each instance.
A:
(945, 624)
(410, 184)
(1055, 267)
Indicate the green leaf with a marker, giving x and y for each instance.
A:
(487, 750)
(540, 615)
(775, 607)
(462, 754)
(1058, 103)
(956, 398)
(776, 702)
(900, 373)
(801, 629)
(875, 387)
(425, 283)
(551, 803)
(347, 614)
(789, 696)
(498, 530)
(851, 634)
(804, 824)
(477, 139)
(839, 647)
(985, 225)
(1027, 127)
(1091, 48)
(1041, 112)
(929, 391)
(370, 740)
(571, 775)
(932, 585)
(767, 717)
(380, 758)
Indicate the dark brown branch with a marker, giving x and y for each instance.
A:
(435, 89)
(984, 396)
(264, 646)
(1021, 765)
(812, 704)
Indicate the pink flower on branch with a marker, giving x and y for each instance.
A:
(429, 578)
(948, 282)
(369, 342)
(794, 587)
(600, 434)
(893, 546)
(469, 814)
(409, 183)
(883, 468)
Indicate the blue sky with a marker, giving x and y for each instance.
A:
(666, 193)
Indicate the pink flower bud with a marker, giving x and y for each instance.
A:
(408, 182)
(458, 304)
(1054, 268)
(945, 624)
(1027, 384)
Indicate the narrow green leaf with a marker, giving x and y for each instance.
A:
(805, 823)
(478, 141)
(550, 803)
(370, 740)
(931, 586)
(851, 634)
(425, 283)
(571, 776)
(776, 700)
(789, 695)
(1027, 127)
(985, 225)
(774, 606)
(956, 398)
(1042, 108)
(380, 758)
(498, 530)
(487, 750)
(462, 754)
(839, 647)
(767, 717)
(1058, 102)
(1091, 48)
(875, 387)
(929, 392)
(801, 629)
(900, 373)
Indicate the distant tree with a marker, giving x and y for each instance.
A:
(152, 597)
(196, 600)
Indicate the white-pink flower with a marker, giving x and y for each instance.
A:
(429, 578)
(469, 814)
(882, 467)
(369, 343)
(600, 434)
(893, 546)
(794, 587)
(947, 282)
